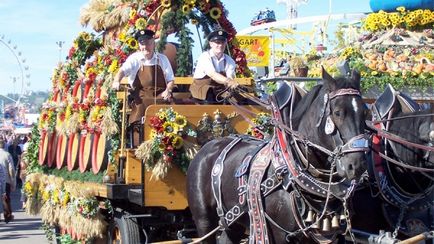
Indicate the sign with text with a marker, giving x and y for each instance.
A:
(256, 48)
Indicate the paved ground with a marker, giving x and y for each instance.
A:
(24, 229)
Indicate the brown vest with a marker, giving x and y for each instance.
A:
(149, 82)
(200, 87)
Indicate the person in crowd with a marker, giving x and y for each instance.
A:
(15, 151)
(2, 183)
(22, 176)
(149, 73)
(214, 71)
(6, 162)
(27, 141)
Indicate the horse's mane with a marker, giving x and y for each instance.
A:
(307, 100)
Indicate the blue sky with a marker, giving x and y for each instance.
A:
(34, 27)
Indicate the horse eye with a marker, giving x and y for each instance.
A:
(337, 113)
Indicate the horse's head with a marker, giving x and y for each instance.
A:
(335, 119)
(426, 135)
(416, 127)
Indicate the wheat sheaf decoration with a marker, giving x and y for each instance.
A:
(104, 14)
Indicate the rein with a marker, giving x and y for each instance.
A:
(402, 117)
(395, 138)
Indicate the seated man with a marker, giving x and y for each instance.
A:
(150, 76)
(215, 70)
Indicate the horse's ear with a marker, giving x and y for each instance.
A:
(329, 81)
(355, 77)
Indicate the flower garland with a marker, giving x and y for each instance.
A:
(83, 47)
(70, 205)
(263, 129)
(168, 144)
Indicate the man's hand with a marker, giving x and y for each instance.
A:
(116, 85)
(166, 94)
(231, 84)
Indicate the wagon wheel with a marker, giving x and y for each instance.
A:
(124, 230)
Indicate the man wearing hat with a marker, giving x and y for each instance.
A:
(149, 73)
(215, 70)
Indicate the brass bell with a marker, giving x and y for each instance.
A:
(335, 222)
(326, 224)
(310, 217)
(342, 219)
(316, 225)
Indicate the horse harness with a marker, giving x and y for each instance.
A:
(400, 207)
(277, 155)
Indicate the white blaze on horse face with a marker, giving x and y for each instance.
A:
(354, 103)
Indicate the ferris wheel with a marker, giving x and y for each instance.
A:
(20, 73)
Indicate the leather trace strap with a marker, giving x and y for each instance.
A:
(216, 173)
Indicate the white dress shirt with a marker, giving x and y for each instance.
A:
(208, 63)
(135, 61)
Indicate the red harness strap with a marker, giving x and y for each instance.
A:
(376, 145)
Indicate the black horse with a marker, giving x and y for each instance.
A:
(399, 194)
(285, 189)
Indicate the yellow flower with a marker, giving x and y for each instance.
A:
(85, 36)
(113, 66)
(56, 196)
(181, 121)
(168, 127)
(401, 9)
(132, 43)
(186, 8)
(140, 24)
(122, 36)
(166, 3)
(177, 142)
(45, 195)
(215, 13)
(65, 199)
(133, 13)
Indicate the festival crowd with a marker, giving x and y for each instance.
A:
(12, 169)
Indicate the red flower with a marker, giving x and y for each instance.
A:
(107, 60)
(99, 102)
(84, 106)
(75, 106)
(92, 76)
(169, 149)
(71, 52)
(166, 141)
(156, 122)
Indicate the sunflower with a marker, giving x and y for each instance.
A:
(140, 24)
(168, 127)
(401, 9)
(180, 121)
(186, 8)
(166, 3)
(132, 43)
(215, 13)
(113, 66)
(177, 142)
(85, 36)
